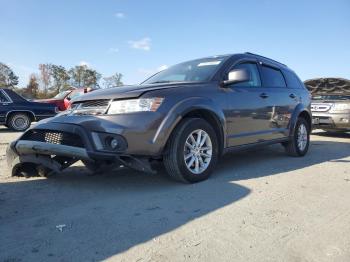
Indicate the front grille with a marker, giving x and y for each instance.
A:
(95, 103)
(92, 107)
(53, 137)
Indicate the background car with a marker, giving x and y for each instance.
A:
(330, 103)
(18, 113)
(63, 99)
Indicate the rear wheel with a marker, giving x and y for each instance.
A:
(299, 144)
(19, 121)
(192, 151)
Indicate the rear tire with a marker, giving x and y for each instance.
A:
(300, 141)
(190, 160)
(19, 122)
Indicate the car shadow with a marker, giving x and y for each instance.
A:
(104, 215)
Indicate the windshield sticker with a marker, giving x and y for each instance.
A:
(209, 63)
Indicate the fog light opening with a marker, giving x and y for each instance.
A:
(114, 143)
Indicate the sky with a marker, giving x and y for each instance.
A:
(138, 38)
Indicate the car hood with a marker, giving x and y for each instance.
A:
(127, 91)
(328, 86)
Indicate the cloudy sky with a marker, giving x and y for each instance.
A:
(137, 38)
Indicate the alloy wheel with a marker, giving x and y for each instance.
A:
(198, 151)
(302, 137)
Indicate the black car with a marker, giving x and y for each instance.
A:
(186, 116)
(17, 113)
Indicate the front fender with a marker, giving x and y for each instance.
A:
(180, 110)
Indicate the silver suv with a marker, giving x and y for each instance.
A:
(330, 103)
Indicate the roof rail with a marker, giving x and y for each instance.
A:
(265, 58)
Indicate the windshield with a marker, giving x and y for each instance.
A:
(62, 95)
(199, 70)
(330, 97)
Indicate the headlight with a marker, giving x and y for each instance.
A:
(341, 107)
(135, 105)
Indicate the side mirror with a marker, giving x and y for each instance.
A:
(68, 98)
(237, 76)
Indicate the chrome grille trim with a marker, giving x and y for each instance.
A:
(91, 107)
(320, 107)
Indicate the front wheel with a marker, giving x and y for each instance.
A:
(192, 151)
(19, 122)
(299, 143)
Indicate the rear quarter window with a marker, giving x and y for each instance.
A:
(272, 77)
(293, 80)
(3, 98)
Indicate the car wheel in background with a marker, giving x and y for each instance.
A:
(192, 151)
(19, 121)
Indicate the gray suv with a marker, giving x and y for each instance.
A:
(330, 103)
(186, 116)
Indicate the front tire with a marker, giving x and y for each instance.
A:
(299, 143)
(192, 151)
(19, 122)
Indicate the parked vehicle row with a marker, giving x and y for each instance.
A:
(187, 116)
(63, 100)
(17, 112)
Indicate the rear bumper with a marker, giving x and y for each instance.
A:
(336, 121)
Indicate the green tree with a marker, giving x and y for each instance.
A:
(113, 81)
(60, 78)
(7, 77)
(83, 76)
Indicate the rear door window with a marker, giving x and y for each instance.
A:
(272, 77)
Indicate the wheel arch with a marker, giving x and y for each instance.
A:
(12, 112)
(195, 108)
(300, 111)
(212, 119)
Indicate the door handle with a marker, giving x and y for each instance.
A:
(292, 96)
(264, 95)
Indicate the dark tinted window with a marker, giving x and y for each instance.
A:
(292, 80)
(272, 77)
(253, 72)
(3, 98)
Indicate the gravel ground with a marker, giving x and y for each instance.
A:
(259, 205)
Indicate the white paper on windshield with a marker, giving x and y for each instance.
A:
(209, 63)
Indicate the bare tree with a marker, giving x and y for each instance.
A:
(113, 81)
(45, 75)
(32, 89)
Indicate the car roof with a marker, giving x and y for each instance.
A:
(251, 55)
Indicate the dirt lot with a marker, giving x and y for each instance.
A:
(258, 206)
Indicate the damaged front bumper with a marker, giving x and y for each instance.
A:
(55, 158)
(56, 146)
